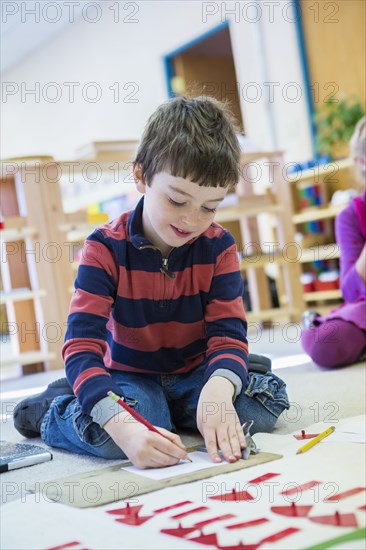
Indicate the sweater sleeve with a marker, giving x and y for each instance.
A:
(226, 326)
(351, 242)
(86, 341)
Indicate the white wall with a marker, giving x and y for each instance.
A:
(107, 52)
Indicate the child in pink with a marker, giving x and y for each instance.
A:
(339, 339)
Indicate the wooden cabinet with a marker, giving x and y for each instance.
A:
(39, 241)
(34, 268)
(265, 202)
(314, 215)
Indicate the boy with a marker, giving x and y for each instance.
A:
(157, 315)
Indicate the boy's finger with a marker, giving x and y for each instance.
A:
(225, 445)
(174, 438)
(169, 448)
(235, 443)
(211, 446)
(162, 460)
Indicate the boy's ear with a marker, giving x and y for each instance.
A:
(139, 180)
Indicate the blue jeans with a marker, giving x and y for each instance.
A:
(168, 401)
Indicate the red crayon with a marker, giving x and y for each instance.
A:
(140, 418)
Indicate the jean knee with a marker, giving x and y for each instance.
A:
(109, 450)
(264, 423)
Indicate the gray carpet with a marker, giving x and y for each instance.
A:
(316, 395)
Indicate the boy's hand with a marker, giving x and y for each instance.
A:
(145, 449)
(218, 422)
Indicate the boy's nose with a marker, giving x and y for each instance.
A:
(191, 218)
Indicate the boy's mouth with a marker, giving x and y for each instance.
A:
(179, 232)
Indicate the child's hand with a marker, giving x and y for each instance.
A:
(218, 422)
(145, 449)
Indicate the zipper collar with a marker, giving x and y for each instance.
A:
(140, 242)
(135, 230)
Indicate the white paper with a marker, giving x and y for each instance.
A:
(200, 461)
(345, 437)
(351, 432)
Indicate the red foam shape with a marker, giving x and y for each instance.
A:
(292, 511)
(193, 511)
(271, 538)
(234, 495)
(362, 507)
(67, 545)
(212, 520)
(263, 478)
(172, 506)
(240, 546)
(337, 519)
(303, 487)
(211, 538)
(345, 494)
(126, 511)
(304, 435)
(134, 519)
(251, 523)
(179, 531)
(280, 535)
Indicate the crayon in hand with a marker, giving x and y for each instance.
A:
(141, 419)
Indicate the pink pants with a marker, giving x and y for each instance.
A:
(334, 343)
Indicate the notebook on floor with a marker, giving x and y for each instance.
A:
(19, 455)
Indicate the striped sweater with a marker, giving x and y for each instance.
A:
(136, 312)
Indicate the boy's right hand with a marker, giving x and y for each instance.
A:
(145, 449)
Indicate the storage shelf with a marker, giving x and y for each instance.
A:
(78, 235)
(269, 314)
(316, 253)
(16, 228)
(318, 213)
(247, 206)
(28, 358)
(323, 295)
(321, 252)
(322, 170)
(251, 156)
(21, 295)
(232, 213)
(101, 194)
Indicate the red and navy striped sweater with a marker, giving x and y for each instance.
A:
(130, 313)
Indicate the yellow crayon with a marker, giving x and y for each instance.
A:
(316, 440)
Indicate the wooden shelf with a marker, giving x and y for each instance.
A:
(28, 358)
(316, 253)
(335, 294)
(322, 170)
(248, 206)
(21, 295)
(246, 158)
(102, 194)
(269, 314)
(79, 234)
(321, 252)
(16, 229)
(318, 213)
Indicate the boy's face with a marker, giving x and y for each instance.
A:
(175, 209)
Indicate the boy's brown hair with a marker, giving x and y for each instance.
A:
(192, 138)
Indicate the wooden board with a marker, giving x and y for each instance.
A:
(114, 484)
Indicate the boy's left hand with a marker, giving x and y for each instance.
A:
(218, 422)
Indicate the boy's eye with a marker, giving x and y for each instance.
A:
(176, 203)
(208, 210)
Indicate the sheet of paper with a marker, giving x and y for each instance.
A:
(345, 437)
(358, 427)
(200, 461)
